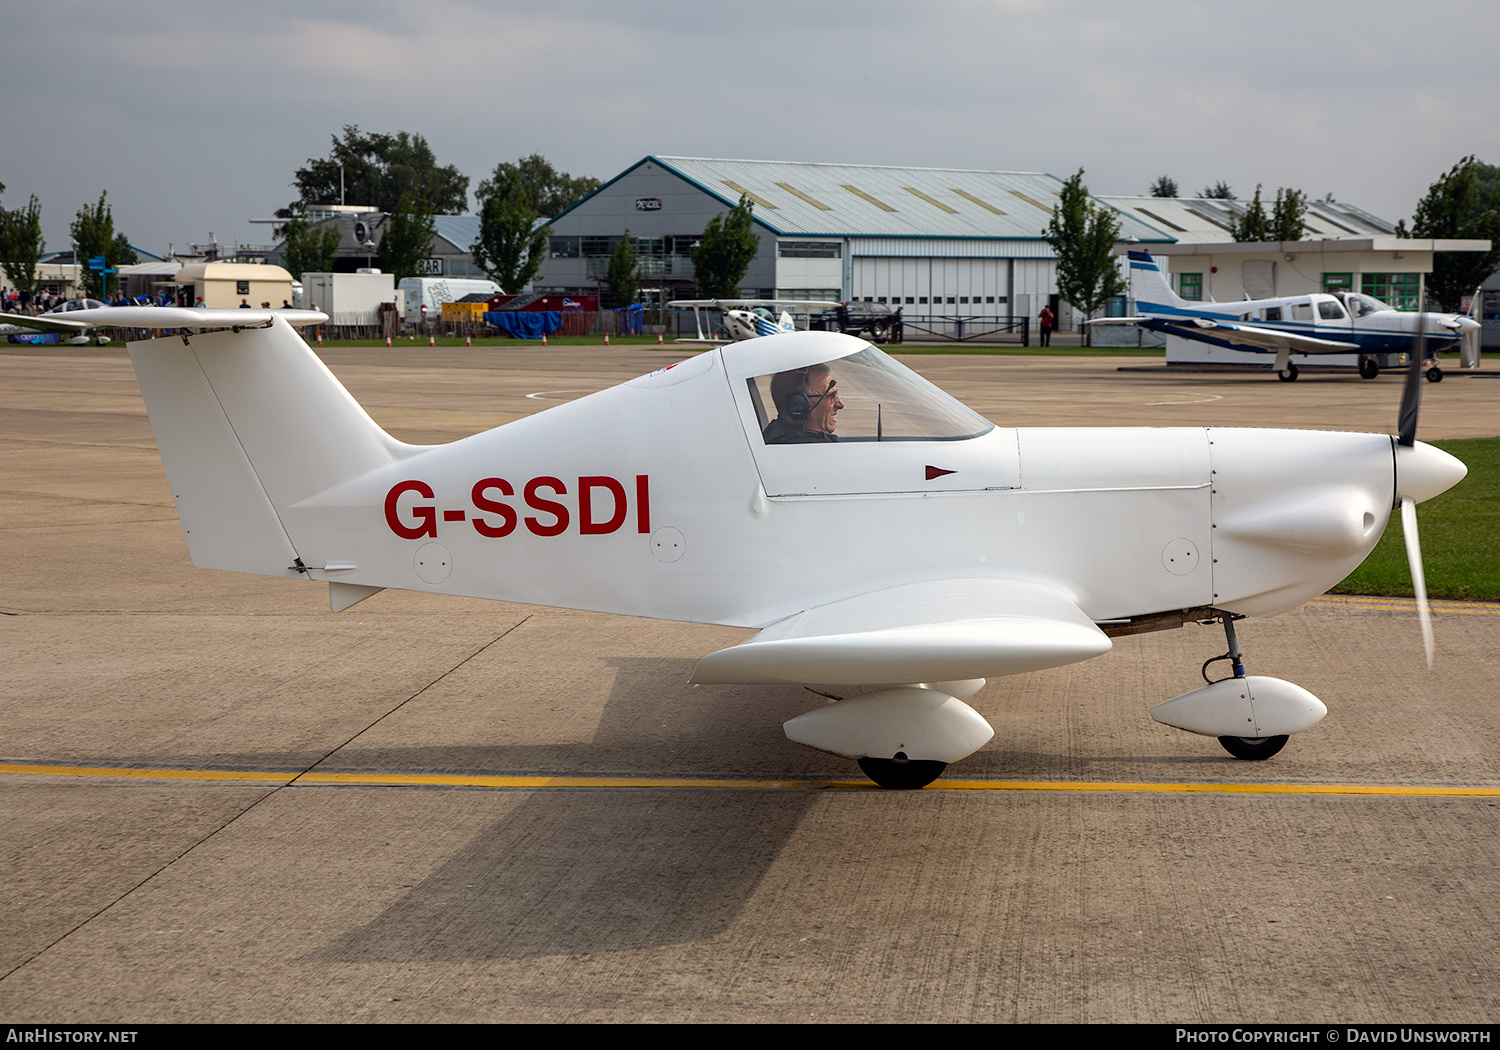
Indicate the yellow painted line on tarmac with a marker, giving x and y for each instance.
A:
(464, 780)
(1355, 601)
(246, 776)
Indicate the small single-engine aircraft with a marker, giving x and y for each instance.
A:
(745, 318)
(890, 546)
(1348, 323)
(76, 335)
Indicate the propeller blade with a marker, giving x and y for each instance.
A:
(1411, 393)
(1418, 577)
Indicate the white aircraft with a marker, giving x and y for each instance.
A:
(745, 318)
(1348, 323)
(76, 334)
(889, 545)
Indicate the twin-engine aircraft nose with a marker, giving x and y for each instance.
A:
(1423, 471)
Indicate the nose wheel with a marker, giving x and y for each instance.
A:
(1253, 749)
(901, 773)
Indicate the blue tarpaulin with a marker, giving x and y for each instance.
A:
(525, 324)
(630, 318)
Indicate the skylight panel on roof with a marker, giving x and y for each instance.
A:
(795, 192)
(861, 193)
(935, 203)
(1336, 225)
(1031, 201)
(1164, 222)
(746, 193)
(986, 205)
(1209, 218)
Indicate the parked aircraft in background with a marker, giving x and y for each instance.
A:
(745, 318)
(1349, 323)
(892, 547)
(73, 334)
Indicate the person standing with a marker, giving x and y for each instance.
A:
(898, 330)
(1046, 321)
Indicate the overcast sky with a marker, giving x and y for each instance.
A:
(194, 115)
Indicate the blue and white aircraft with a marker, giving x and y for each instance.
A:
(746, 318)
(1347, 323)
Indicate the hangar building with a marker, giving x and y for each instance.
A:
(941, 243)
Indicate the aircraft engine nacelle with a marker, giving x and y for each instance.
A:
(1254, 706)
(924, 724)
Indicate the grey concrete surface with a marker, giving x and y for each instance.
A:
(139, 900)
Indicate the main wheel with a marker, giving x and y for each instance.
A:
(901, 773)
(1288, 374)
(1434, 374)
(1255, 749)
(1369, 368)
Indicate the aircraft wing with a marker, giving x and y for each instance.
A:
(1236, 334)
(79, 321)
(935, 631)
(740, 304)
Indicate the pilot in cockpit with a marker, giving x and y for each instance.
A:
(807, 406)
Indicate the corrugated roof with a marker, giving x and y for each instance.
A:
(796, 198)
(461, 231)
(1201, 220)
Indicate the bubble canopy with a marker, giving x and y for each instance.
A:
(883, 400)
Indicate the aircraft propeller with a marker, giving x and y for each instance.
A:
(1409, 477)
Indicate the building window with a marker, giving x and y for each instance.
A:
(809, 249)
(1190, 286)
(923, 300)
(1396, 289)
(564, 247)
(1338, 282)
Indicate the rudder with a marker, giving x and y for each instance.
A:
(249, 423)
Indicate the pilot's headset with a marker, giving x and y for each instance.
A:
(798, 405)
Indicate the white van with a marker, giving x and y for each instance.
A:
(433, 292)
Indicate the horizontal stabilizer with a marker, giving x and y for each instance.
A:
(924, 632)
(158, 317)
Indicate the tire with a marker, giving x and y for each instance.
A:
(901, 773)
(1434, 374)
(1369, 368)
(1288, 374)
(1253, 749)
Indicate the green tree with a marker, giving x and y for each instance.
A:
(623, 274)
(1287, 215)
(511, 243)
(725, 252)
(377, 170)
(1457, 206)
(1253, 225)
(94, 235)
(407, 237)
(551, 191)
(1219, 191)
(1084, 236)
(310, 247)
(21, 244)
(1164, 186)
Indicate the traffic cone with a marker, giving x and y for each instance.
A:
(320, 335)
(387, 340)
(659, 340)
(606, 338)
(432, 340)
(468, 341)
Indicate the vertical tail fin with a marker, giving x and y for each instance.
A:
(1148, 285)
(248, 423)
